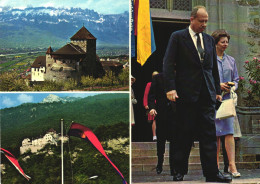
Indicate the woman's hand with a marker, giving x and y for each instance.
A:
(225, 87)
(153, 112)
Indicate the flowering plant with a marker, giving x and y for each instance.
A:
(249, 89)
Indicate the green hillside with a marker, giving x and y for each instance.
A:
(33, 120)
(81, 161)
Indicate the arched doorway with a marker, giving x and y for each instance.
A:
(163, 28)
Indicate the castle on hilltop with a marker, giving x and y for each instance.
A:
(73, 60)
(51, 137)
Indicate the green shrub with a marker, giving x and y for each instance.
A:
(70, 84)
(48, 86)
(87, 81)
(124, 77)
(11, 81)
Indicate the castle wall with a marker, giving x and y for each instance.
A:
(81, 43)
(91, 47)
(60, 75)
(37, 74)
(61, 69)
(89, 64)
(33, 148)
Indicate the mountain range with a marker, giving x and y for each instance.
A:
(41, 27)
(33, 119)
(54, 98)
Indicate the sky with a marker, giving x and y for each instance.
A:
(14, 99)
(100, 6)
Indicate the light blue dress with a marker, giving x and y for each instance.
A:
(227, 73)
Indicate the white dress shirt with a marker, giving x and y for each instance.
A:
(194, 39)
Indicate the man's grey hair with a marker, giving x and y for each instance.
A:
(195, 10)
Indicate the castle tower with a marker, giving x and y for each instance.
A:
(85, 40)
(48, 57)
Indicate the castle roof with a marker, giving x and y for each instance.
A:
(69, 49)
(111, 63)
(51, 130)
(40, 61)
(83, 34)
(49, 51)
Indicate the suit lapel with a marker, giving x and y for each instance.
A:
(189, 43)
(206, 43)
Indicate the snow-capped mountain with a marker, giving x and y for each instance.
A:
(59, 24)
(54, 98)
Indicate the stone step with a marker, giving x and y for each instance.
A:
(193, 159)
(147, 152)
(146, 160)
(193, 177)
(152, 145)
(192, 166)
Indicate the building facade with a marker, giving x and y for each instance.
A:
(72, 61)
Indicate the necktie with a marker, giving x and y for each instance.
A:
(200, 49)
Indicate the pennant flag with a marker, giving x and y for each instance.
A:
(83, 132)
(144, 31)
(14, 161)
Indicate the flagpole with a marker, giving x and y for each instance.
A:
(62, 166)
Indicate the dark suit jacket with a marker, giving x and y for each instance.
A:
(181, 56)
(166, 113)
(157, 93)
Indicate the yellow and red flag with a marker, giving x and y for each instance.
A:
(143, 30)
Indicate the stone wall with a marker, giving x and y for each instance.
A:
(38, 74)
(33, 149)
(236, 19)
(61, 75)
(61, 69)
(82, 43)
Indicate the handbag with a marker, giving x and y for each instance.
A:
(227, 108)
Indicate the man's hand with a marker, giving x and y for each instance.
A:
(153, 112)
(172, 95)
(146, 107)
(225, 87)
(219, 97)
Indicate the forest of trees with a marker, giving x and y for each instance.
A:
(81, 161)
(31, 120)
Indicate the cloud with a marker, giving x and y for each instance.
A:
(49, 4)
(24, 98)
(4, 2)
(7, 101)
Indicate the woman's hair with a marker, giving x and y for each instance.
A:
(154, 73)
(219, 34)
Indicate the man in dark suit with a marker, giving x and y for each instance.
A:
(165, 115)
(192, 80)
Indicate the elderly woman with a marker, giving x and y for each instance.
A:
(227, 73)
